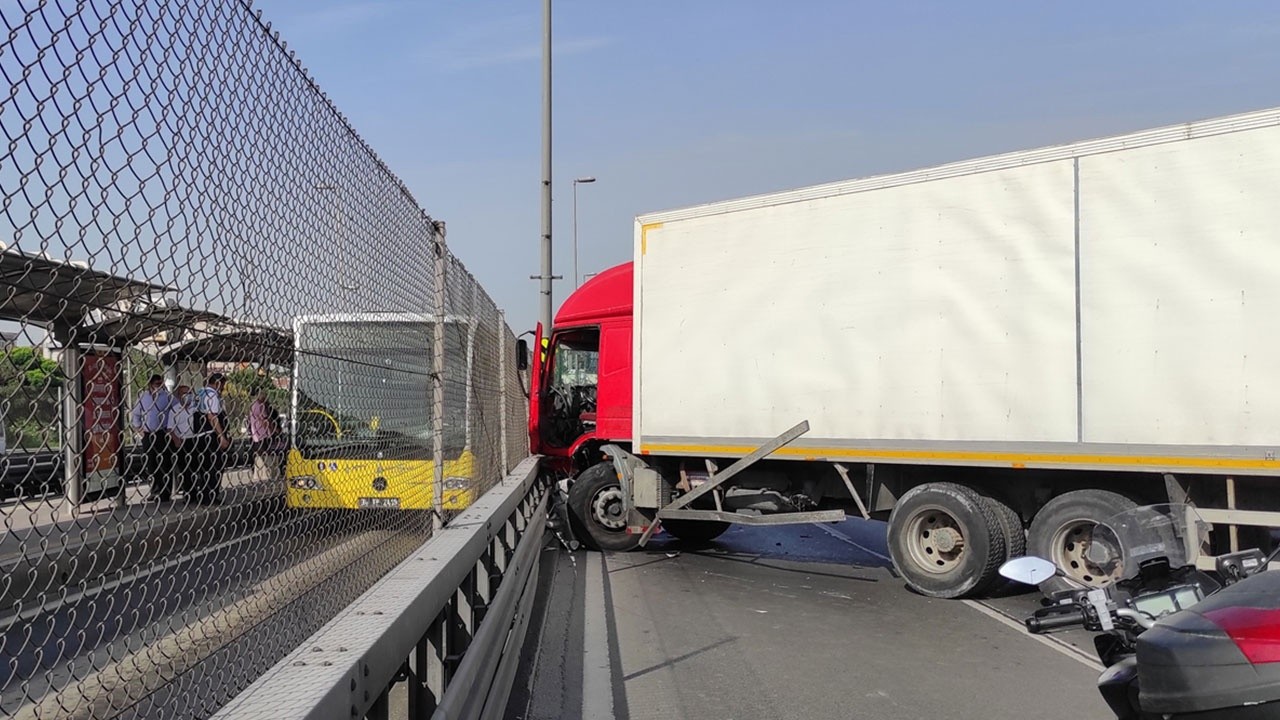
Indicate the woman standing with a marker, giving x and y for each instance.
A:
(260, 428)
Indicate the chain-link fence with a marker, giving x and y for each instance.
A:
(241, 378)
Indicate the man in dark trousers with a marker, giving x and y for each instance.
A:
(182, 432)
(213, 439)
(150, 419)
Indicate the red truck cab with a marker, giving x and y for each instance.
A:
(581, 394)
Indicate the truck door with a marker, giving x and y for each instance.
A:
(536, 385)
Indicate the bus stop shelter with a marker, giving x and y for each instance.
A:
(92, 318)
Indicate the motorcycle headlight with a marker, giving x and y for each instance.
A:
(456, 483)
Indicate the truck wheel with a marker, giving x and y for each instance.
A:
(1015, 538)
(945, 540)
(1062, 532)
(1015, 534)
(695, 531)
(596, 509)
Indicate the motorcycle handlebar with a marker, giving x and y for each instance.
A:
(1043, 624)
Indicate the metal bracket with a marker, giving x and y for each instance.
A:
(790, 518)
(1175, 490)
(844, 475)
(742, 464)
(624, 463)
(674, 511)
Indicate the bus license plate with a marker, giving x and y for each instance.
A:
(392, 503)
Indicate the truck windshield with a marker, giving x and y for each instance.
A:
(364, 389)
(576, 362)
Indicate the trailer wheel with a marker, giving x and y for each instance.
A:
(1015, 537)
(945, 540)
(1062, 532)
(596, 509)
(695, 531)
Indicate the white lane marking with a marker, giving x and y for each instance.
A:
(597, 671)
(846, 539)
(1047, 640)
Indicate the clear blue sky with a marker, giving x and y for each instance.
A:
(678, 103)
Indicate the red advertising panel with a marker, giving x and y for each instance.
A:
(101, 412)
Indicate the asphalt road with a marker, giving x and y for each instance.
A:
(791, 622)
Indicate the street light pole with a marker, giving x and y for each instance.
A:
(545, 279)
(576, 182)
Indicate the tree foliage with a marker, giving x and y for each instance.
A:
(29, 398)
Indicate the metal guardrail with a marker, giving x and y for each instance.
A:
(448, 622)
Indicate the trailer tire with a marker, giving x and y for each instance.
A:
(695, 531)
(1015, 538)
(945, 540)
(594, 498)
(1062, 529)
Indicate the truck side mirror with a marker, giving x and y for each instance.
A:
(522, 354)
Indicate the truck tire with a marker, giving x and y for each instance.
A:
(1015, 533)
(1015, 539)
(1063, 529)
(695, 531)
(945, 540)
(595, 509)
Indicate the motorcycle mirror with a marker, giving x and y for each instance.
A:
(1029, 570)
(1240, 565)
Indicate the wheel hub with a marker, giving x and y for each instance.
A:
(1084, 558)
(947, 540)
(935, 540)
(608, 510)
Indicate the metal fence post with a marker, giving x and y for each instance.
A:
(73, 465)
(502, 389)
(437, 381)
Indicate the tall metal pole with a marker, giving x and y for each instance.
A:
(546, 167)
(72, 422)
(437, 380)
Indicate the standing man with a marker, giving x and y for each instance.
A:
(182, 432)
(150, 419)
(213, 440)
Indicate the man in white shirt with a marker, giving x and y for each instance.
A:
(213, 439)
(182, 433)
(150, 418)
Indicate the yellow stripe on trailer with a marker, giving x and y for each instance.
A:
(978, 457)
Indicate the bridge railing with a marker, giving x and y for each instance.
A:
(181, 200)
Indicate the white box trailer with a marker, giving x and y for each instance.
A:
(1039, 338)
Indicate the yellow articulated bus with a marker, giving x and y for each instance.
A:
(361, 415)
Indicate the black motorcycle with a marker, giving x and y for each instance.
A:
(1177, 643)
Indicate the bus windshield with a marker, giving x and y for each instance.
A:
(364, 389)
